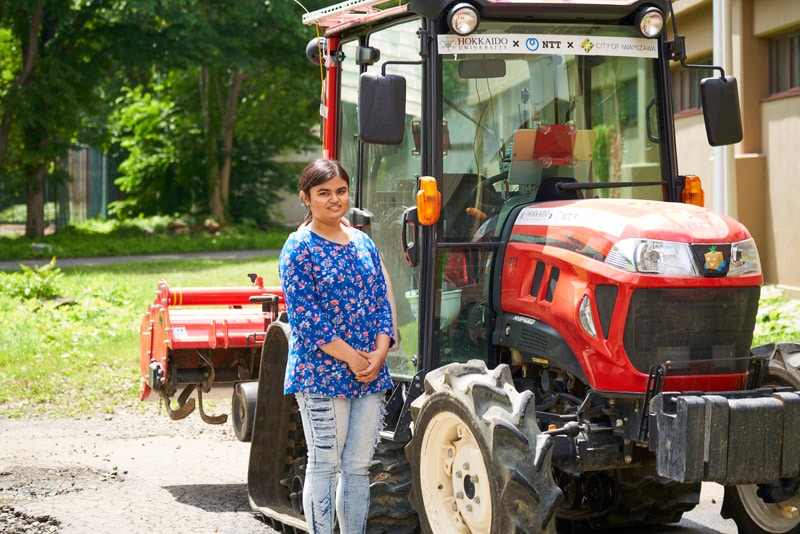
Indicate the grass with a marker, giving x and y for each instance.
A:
(80, 353)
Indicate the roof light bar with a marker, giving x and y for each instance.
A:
(338, 9)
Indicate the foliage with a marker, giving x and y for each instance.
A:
(151, 235)
(64, 65)
(778, 318)
(149, 128)
(202, 137)
(602, 153)
(37, 282)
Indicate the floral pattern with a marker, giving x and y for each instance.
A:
(332, 291)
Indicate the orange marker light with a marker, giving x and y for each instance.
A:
(693, 191)
(429, 201)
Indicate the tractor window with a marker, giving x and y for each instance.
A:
(387, 175)
(529, 105)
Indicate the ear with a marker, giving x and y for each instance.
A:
(303, 198)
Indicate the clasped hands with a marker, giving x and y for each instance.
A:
(369, 365)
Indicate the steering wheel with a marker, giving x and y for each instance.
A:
(489, 197)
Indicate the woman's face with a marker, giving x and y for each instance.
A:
(329, 201)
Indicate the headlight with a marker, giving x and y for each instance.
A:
(653, 257)
(463, 19)
(744, 258)
(650, 22)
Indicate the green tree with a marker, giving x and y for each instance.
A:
(249, 96)
(56, 53)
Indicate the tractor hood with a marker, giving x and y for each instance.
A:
(593, 227)
(603, 222)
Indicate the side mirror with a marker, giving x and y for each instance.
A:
(381, 108)
(720, 99)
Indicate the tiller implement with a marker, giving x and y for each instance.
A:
(203, 339)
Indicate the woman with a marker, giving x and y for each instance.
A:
(341, 322)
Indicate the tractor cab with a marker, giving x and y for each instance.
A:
(500, 109)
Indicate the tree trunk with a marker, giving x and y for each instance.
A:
(228, 130)
(34, 200)
(208, 95)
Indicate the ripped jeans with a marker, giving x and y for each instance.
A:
(341, 435)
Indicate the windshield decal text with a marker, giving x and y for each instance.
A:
(578, 45)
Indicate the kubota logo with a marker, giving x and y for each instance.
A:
(714, 260)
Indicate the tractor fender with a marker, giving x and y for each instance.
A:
(274, 433)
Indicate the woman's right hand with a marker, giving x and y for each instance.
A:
(359, 367)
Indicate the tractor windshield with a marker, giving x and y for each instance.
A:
(528, 105)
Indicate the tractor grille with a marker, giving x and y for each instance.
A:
(700, 331)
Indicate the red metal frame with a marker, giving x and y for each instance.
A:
(209, 318)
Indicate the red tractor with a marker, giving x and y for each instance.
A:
(574, 327)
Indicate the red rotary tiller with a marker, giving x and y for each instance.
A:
(204, 338)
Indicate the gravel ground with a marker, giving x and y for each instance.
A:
(123, 473)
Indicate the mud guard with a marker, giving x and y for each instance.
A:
(271, 437)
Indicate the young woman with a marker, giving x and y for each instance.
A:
(341, 321)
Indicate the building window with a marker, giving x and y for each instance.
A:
(784, 63)
(686, 86)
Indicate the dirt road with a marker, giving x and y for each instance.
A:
(143, 473)
(123, 473)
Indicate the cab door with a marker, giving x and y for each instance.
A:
(385, 176)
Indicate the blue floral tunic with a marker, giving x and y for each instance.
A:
(332, 291)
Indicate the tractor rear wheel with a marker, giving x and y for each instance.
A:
(742, 504)
(478, 460)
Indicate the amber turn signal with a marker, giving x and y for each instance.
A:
(429, 201)
(693, 191)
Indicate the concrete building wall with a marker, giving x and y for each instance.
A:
(768, 158)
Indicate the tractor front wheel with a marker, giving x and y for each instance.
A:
(479, 463)
(742, 504)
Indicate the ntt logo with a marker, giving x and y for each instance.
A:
(532, 44)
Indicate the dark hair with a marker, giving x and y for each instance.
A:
(317, 173)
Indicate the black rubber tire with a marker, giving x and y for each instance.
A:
(243, 409)
(479, 462)
(741, 503)
(390, 511)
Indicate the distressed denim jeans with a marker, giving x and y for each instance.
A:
(341, 435)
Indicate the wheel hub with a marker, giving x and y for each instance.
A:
(455, 481)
